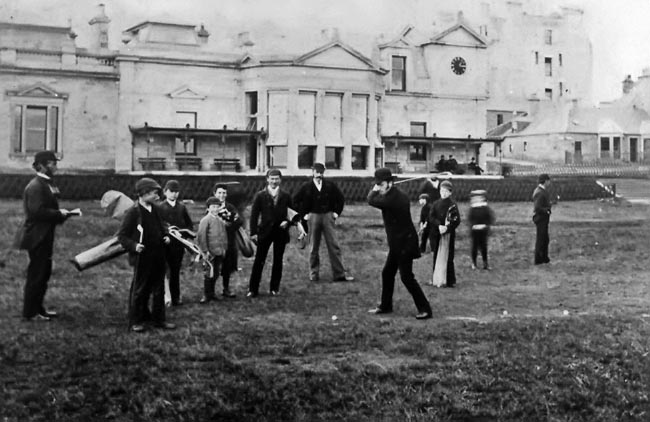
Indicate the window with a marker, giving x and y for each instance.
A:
(305, 125)
(525, 145)
(306, 154)
(548, 37)
(419, 129)
(548, 92)
(330, 125)
(617, 147)
(358, 122)
(251, 110)
(398, 73)
(379, 157)
(499, 119)
(417, 152)
(537, 57)
(277, 156)
(333, 157)
(559, 59)
(359, 158)
(35, 128)
(561, 89)
(604, 147)
(184, 118)
(548, 66)
(185, 144)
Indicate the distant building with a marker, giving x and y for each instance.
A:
(174, 97)
(614, 133)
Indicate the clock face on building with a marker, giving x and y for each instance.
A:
(458, 65)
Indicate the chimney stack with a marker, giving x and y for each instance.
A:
(203, 35)
(99, 25)
(628, 84)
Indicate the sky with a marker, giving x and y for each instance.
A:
(619, 30)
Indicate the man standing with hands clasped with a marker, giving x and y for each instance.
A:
(402, 244)
(321, 203)
(42, 215)
(541, 218)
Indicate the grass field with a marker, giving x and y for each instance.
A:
(567, 341)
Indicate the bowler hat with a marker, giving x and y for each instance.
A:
(383, 174)
(172, 185)
(319, 167)
(45, 156)
(447, 185)
(273, 172)
(543, 178)
(145, 185)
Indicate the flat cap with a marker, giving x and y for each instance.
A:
(145, 185)
(173, 185)
(447, 185)
(319, 167)
(212, 201)
(273, 172)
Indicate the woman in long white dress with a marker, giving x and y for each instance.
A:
(444, 218)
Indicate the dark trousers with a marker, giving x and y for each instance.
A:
(451, 270)
(211, 275)
(228, 266)
(148, 281)
(396, 261)
(174, 255)
(424, 239)
(541, 242)
(39, 271)
(480, 243)
(263, 247)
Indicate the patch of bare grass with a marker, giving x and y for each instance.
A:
(313, 353)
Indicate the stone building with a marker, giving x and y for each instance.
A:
(616, 133)
(173, 97)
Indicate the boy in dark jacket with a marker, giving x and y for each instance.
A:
(174, 213)
(143, 235)
(480, 217)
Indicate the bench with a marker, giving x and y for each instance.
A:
(152, 163)
(189, 161)
(227, 164)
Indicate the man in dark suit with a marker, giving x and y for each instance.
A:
(42, 215)
(321, 203)
(402, 244)
(541, 218)
(269, 225)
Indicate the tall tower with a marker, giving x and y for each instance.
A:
(99, 24)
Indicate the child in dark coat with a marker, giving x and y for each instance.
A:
(480, 217)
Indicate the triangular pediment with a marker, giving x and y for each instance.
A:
(459, 35)
(608, 126)
(401, 41)
(186, 93)
(338, 55)
(37, 90)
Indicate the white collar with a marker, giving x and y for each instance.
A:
(273, 191)
(43, 175)
(172, 203)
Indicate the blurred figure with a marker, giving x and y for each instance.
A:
(480, 217)
(425, 203)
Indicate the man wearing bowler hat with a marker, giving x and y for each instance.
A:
(321, 203)
(402, 244)
(42, 215)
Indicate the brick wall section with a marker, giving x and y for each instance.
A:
(93, 186)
